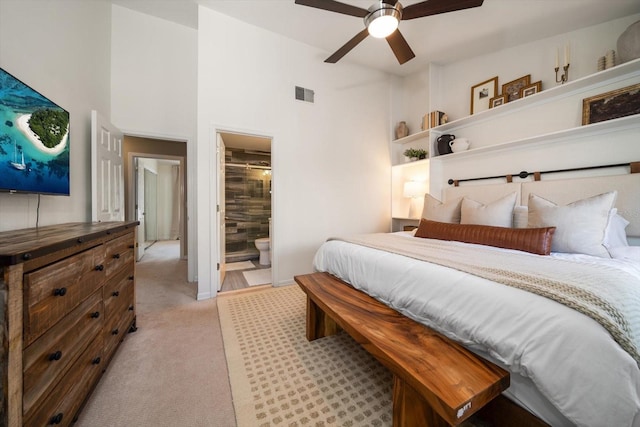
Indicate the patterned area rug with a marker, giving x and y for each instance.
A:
(278, 378)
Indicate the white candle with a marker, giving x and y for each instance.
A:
(557, 55)
(566, 55)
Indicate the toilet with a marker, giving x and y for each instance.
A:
(264, 246)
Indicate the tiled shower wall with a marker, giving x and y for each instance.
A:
(247, 203)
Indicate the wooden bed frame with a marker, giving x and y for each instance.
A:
(437, 382)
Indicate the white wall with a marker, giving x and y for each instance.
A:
(72, 71)
(153, 75)
(330, 159)
(537, 58)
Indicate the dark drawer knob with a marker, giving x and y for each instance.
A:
(115, 332)
(56, 419)
(55, 356)
(131, 246)
(95, 314)
(96, 361)
(130, 308)
(26, 256)
(59, 292)
(130, 277)
(116, 294)
(99, 267)
(116, 256)
(80, 240)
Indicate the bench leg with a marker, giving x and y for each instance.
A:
(319, 325)
(410, 409)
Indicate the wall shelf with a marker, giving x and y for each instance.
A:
(608, 126)
(612, 75)
(413, 137)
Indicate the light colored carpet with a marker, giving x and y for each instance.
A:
(172, 371)
(280, 378)
(242, 265)
(257, 277)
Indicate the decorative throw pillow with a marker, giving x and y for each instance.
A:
(533, 240)
(580, 225)
(498, 213)
(435, 210)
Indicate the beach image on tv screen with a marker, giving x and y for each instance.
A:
(34, 140)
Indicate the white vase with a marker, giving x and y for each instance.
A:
(629, 43)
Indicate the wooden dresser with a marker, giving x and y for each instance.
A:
(67, 300)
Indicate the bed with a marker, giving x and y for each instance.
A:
(571, 363)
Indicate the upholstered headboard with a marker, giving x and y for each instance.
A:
(562, 192)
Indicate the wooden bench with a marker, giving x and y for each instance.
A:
(437, 382)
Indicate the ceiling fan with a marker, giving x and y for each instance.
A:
(382, 18)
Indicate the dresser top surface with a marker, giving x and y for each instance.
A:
(17, 246)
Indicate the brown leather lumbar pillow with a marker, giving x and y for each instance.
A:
(533, 240)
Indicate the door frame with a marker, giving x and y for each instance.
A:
(132, 190)
(214, 181)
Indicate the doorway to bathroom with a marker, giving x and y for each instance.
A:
(247, 210)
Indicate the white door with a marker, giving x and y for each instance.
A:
(221, 211)
(139, 189)
(107, 172)
(151, 205)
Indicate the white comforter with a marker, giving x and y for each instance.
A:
(572, 360)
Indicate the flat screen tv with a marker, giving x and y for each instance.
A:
(34, 140)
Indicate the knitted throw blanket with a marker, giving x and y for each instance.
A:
(608, 295)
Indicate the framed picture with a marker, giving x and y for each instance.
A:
(512, 89)
(611, 105)
(482, 93)
(496, 101)
(531, 89)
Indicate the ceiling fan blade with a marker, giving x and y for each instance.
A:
(400, 47)
(347, 47)
(335, 6)
(434, 7)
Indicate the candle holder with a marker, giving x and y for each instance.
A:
(565, 76)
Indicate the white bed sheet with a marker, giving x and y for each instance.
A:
(581, 376)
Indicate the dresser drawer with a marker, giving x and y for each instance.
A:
(119, 321)
(61, 405)
(115, 292)
(50, 356)
(119, 252)
(53, 291)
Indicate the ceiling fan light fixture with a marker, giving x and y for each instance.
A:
(383, 19)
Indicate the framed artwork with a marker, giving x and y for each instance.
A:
(496, 101)
(611, 105)
(531, 89)
(512, 89)
(482, 93)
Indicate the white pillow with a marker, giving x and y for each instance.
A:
(579, 225)
(614, 234)
(435, 210)
(520, 217)
(498, 213)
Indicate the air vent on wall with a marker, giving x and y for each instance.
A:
(303, 94)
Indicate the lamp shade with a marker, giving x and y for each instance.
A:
(414, 189)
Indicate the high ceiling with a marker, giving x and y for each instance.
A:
(496, 25)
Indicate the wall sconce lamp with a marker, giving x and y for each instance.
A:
(565, 76)
(415, 190)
